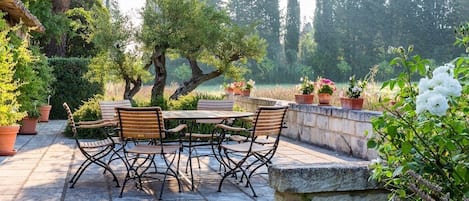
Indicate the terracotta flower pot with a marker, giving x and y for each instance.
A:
(246, 92)
(304, 98)
(229, 91)
(237, 91)
(7, 140)
(352, 103)
(324, 98)
(45, 111)
(28, 126)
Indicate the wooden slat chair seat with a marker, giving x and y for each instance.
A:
(94, 151)
(96, 144)
(248, 156)
(142, 131)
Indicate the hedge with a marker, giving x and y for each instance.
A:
(71, 86)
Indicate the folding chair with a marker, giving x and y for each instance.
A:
(94, 151)
(247, 157)
(142, 132)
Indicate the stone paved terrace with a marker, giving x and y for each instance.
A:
(45, 162)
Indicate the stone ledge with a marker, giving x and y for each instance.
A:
(321, 177)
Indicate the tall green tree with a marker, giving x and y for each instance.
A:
(199, 33)
(292, 36)
(266, 15)
(116, 59)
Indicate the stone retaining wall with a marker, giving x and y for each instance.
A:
(325, 181)
(332, 127)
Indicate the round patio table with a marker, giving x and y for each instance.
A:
(192, 115)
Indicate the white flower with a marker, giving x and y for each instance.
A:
(437, 105)
(440, 79)
(421, 102)
(454, 87)
(356, 89)
(445, 69)
(424, 85)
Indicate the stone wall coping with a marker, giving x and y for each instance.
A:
(333, 111)
(321, 177)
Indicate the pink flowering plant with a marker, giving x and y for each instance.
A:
(325, 85)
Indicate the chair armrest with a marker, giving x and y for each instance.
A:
(90, 122)
(178, 128)
(95, 124)
(230, 128)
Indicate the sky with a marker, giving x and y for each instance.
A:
(132, 6)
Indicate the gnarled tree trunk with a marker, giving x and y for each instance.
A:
(197, 78)
(159, 61)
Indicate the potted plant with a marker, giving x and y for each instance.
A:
(9, 113)
(45, 79)
(306, 87)
(44, 109)
(29, 122)
(353, 100)
(228, 87)
(247, 87)
(237, 87)
(326, 88)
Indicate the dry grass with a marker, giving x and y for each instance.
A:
(280, 92)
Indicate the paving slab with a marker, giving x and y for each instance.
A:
(45, 162)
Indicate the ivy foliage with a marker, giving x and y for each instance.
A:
(434, 147)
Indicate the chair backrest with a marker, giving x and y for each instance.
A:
(141, 123)
(268, 120)
(224, 105)
(108, 108)
(70, 119)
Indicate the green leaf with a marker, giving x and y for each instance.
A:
(406, 147)
(371, 144)
(397, 171)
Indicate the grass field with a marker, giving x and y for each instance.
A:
(287, 92)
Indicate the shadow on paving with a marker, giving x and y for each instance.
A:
(45, 163)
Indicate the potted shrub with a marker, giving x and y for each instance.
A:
(44, 109)
(353, 100)
(306, 88)
(9, 113)
(45, 80)
(29, 122)
(36, 76)
(326, 88)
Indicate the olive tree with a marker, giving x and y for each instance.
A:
(199, 33)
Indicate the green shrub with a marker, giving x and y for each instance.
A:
(425, 131)
(71, 86)
(189, 102)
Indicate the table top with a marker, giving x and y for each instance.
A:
(204, 114)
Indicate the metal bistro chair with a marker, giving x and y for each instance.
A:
(247, 157)
(142, 132)
(196, 139)
(94, 151)
(109, 118)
